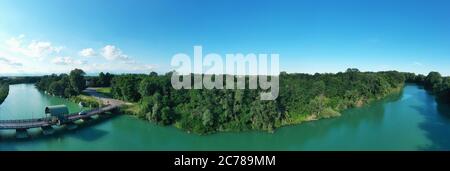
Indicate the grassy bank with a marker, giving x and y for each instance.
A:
(329, 112)
(86, 101)
(105, 91)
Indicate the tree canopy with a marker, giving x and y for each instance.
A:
(302, 97)
(102, 80)
(63, 84)
(433, 82)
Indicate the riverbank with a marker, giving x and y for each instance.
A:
(133, 109)
(4, 91)
(408, 121)
(333, 113)
(92, 98)
(86, 101)
(301, 97)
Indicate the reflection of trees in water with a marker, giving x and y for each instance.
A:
(372, 113)
(443, 108)
(436, 124)
(351, 120)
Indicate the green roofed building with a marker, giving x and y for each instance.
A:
(57, 111)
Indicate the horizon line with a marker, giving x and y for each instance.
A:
(162, 73)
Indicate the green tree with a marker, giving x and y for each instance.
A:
(207, 118)
(166, 116)
(156, 114)
(102, 79)
(4, 91)
(148, 86)
(318, 105)
(301, 96)
(77, 80)
(153, 74)
(56, 88)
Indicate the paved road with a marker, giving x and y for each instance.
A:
(106, 100)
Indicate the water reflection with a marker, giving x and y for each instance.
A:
(410, 120)
(436, 124)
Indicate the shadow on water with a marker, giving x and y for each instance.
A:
(436, 122)
(84, 131)
(443, 108)
(327, 134)
(349, 124)
(372, 113)
(7, 146)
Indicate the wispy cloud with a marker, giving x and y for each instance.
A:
(67, 61)
(9, 62)
(417, 64)
(35, 49)
(119, 68)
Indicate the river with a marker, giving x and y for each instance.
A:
(410, 120)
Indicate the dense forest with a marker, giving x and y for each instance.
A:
(63, 85)
(102, 80)
(302, 97)
(20, 80)
(434, 82)
(72, 84)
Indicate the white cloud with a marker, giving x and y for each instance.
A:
(111, 53)
(9, 62)
(118, 67)
(38, 49)
(67, 61)
(417, 64)
(18, 55)
(88, 52)
(35, 49)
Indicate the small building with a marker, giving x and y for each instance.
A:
(58, 111)
(88, 82)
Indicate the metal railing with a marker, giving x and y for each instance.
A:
(40, 122)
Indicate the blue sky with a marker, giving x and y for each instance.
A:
(46, 36)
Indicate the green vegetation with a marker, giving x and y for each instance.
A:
(4, 90)
(106, 91)
(20, 80)
(6, 81)
(63, 85)
(302, 97)
(103, 80)
(71, 86)
(434, 82)
(87, 101)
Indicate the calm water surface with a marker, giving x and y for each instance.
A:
(411, 120)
